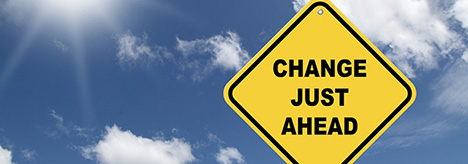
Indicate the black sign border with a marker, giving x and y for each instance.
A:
(362, 41)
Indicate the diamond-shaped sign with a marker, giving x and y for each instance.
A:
(319, 91)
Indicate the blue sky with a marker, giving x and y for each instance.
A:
(85, 81)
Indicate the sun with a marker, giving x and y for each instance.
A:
(74, 5)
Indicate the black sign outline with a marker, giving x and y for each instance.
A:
(363, 43)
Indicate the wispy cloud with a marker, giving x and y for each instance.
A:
(447, 112)
(63, 128)
(199, 57)
(122, 147)
(5, 156)
(29, 155)
(174, 130)
(415, 33)
(59, 123)
(408, 133)
(214, 138)
(229, 155)
(223, 52)
(135, 51)
(452, 89)
(62, 47)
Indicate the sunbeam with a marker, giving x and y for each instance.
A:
(79, 57)
(20, 51)
(73, 16)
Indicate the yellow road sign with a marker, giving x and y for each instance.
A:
(319, 91)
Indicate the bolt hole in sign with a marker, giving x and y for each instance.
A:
(319, 91)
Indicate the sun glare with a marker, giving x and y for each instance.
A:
(75, 9)
(70, 19)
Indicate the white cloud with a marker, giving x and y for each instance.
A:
(465, 56)
(123, 147)
(229, 155)
(5, 156)
(298, 4)
(134, 50)
(416, 31)
(220, 51)
(461, 11)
